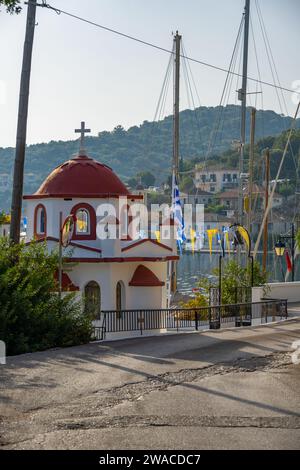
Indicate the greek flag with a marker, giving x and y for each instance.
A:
(177, 211)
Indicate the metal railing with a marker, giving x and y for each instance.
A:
(181, 319)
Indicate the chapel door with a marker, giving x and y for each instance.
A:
(93, 299)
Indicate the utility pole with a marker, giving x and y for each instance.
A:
(267, 180)
(16, 205)
(177, 44)
(242, 95)
(251, 166)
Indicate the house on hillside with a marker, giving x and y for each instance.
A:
(198, 196)
(229, 199)
(215, 179)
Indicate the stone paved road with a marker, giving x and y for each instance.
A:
(215, 390)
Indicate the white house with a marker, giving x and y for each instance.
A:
(215, 179)
(112, 273)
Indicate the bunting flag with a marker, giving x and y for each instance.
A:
(193, 237)
(210, 234)
(177, 210)
(226, 236)
(157, 234)
(226, 240)
(288, 261)
(245, 236)
(246, 204)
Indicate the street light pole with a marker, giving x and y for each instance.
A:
(293, 251)
(280, 247)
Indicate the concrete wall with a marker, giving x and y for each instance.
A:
(278, 290)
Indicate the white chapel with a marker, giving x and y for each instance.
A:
(112, 274)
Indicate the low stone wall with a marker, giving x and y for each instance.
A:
(278, 290)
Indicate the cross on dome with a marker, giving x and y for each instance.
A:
(82, 131)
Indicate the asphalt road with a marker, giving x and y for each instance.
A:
(229, 389)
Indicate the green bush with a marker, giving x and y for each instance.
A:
(32, 316)
(233, 275)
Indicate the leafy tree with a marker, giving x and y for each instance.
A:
(186, 184)
(286, 189)
(119, 130)
(298, 239)
(4, 218)
(233, 275)
(216, 208)
(32, 316)
(147, 178)
(157, 198)
(12, 6)
(132, 182)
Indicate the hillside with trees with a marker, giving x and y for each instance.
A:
(205, 132)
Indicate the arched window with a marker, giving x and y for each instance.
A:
(82, 221)
(120, 298)
(85, 227)
(40, 221)
(92, 294)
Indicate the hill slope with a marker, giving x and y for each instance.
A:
(145, 147)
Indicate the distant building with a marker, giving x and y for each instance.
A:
(277, 223)
(215, 179)
(197, 197)
(229, 199)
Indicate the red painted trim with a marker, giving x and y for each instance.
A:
(120, 260)
(144, 277)
(144, 240)
(78, 245)
(37, 235)
(67, 284)
(83, 196)
(92, 214)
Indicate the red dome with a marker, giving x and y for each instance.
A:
(81, 177)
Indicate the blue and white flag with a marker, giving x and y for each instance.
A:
(177, 210)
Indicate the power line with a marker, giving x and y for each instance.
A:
(155, 46)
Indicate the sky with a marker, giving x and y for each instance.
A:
(83, 73)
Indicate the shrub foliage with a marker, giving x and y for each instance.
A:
(32, 316)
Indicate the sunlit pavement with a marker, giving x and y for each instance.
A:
(225, 389)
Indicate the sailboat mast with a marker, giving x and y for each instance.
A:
(251, 168)
(177, 45)
(243, 99)
(175, 169)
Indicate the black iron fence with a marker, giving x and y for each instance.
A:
(180, 319)
(235, 295)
